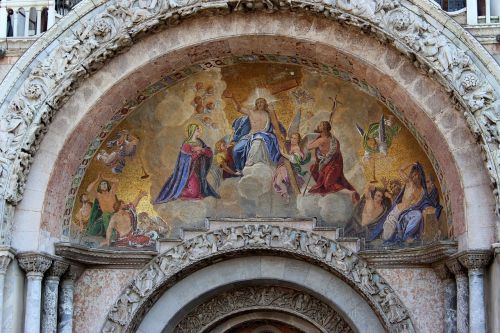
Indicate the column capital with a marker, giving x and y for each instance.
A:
(73, 273)
(442, 271)
(57, 269)
(456, 267)
(34, 262)
(6, 256)
(475, 259)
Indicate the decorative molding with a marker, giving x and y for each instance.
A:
(100, 257)
(34, 263)
(475, 259)
(282, 299)
(29, 102)
(136, 299)
(423, 256)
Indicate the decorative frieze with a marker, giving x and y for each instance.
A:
(233, 241)
(263, 298)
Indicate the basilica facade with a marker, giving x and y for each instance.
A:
(249, 166)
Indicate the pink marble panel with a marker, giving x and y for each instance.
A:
(421, 291)
(95, 292)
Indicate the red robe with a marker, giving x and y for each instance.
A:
(329, 176)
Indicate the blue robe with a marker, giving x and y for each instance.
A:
(177, 181)
(410, 221)
(244, 139)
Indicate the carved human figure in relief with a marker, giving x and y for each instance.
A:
(254, 135)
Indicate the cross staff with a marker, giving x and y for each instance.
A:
(281, 142)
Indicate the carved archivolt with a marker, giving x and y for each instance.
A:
(269, 298)
(139, 296)
(30, 101)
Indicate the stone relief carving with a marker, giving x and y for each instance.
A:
(284, 299)
(35, 263)
(84, 49)
(383, 299)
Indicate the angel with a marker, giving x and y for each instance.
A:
(297, 155)
(378, 137)
(124, 145)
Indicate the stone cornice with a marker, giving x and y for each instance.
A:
(91, 257)
(475, 259)
(79, 45)
(34, 262)
(423, 256)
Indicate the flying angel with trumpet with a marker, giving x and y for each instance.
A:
(377, 139)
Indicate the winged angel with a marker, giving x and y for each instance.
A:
(295, 152)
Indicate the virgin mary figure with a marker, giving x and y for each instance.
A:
(189, 178)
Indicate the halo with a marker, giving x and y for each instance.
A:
(260, 93)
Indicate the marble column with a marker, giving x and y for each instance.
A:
(38, 21)
(50, 296)
(476, 261)
(65, 324)
(26, 22)
(6, 256)
(14, 19)
(450, 297)
(35, 265)
(462, 294)
(3, 23)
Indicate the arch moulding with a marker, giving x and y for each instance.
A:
(53, 68)
(210, 249)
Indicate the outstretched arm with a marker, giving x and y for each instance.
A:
(235, 102)
(314, 144)
(92, 188)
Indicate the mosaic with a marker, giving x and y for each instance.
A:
(248, 139)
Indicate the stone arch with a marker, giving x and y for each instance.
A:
(200, 252)
(472, 80)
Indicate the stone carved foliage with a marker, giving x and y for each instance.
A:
(383, 299)
(34, 262)
(102, 34)
(283, 299)
(475, 259)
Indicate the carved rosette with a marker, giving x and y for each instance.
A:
(85, 48)
(263, 298)
(34, 264)
(475, 259)
(203, 249)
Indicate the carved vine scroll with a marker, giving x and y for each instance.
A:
(136, 299)
(29, 102)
